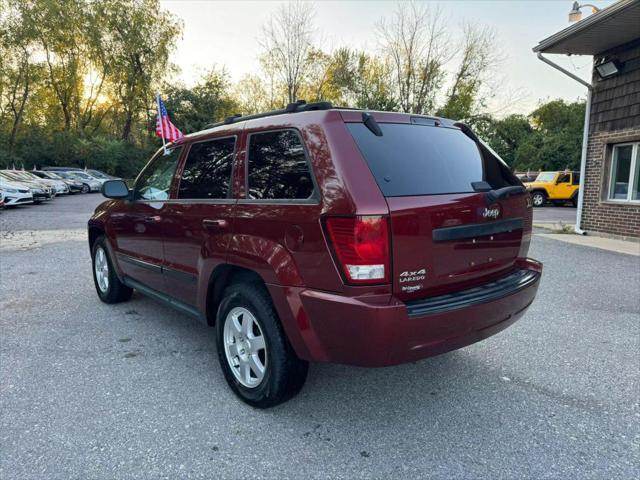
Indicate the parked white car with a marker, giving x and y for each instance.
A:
(40, 190)
(15, 193)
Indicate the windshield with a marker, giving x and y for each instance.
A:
(12, 176)
(97, 174)
(26, 176)
(411, 159)
(546, 177)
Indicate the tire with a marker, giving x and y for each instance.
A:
(246, 313)
(574, 201)
(85, 188)
(538, 199)
(109, 288)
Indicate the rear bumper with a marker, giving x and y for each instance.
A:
(374, 332)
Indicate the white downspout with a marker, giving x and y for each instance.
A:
(585, 138)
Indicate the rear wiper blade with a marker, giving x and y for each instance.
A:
(492, 196)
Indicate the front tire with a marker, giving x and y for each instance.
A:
(85, 188)
(256, 358)
(109, 288)
(538, 199)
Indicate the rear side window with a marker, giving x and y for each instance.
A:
(207, 170)
(278, 167)
(410, 159)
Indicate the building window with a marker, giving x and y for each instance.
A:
(624, 182)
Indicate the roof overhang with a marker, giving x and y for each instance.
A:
(608, 28)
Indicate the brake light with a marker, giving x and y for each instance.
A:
(361, 245)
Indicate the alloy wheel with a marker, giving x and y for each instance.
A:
(245, 347)
(538, 200)
(101, 267)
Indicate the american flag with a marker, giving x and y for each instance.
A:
(164, 128)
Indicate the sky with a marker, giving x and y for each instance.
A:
(226, 33)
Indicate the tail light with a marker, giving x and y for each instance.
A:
(361, 247)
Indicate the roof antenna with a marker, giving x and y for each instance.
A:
(371, 124)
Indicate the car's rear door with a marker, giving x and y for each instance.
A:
(445, 235)
(198, 221)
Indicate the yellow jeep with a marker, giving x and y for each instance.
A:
(556, 187)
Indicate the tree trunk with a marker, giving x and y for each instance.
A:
(17, 117)
(126, 130)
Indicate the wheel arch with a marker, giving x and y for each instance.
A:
(221, 277)
(94, 233)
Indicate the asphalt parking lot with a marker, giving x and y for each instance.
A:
(555, 215)
(134, 390)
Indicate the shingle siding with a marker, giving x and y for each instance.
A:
(615, 102)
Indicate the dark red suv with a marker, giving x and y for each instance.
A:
(322, 234)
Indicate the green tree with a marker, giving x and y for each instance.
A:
(209, 101)
(141, 36)
(556, 141)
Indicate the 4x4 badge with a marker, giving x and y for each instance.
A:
(410, 276)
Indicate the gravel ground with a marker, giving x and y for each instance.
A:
(134, 390)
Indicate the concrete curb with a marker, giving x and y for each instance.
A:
(610, 244)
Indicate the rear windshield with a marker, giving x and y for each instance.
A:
(410, 159)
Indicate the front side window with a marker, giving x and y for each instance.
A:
(278, 167)
(154, 182)
(624, 182)
(564, 178)
(207, 170)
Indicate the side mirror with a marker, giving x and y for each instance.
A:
(115, 189)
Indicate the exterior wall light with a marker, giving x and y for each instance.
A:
(607, 68)
(575, 15)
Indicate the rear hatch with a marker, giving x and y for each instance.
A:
(445, 235)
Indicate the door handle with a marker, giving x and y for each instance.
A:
(153, 218)
(214, 224)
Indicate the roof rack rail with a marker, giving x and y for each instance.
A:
(295, 107)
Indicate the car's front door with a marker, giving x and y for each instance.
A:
(139, 224)
(198, 222)
(563, 188)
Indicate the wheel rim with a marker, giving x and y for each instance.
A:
(101, 267)
(85, 189)
(245, 347)
(537, 200)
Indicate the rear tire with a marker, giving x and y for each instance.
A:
(110, 289)
(538, 199)
(250, 336)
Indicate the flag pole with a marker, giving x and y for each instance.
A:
(164, 145)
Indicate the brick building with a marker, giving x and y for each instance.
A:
(609, 201)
